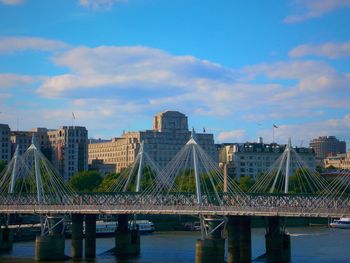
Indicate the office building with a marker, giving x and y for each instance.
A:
(251, 159)
(5, 143)
(169, 134)
(325, 146)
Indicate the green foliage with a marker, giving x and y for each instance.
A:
(245, 183)
(331, 167)
(108, 181)
(301, 182)
(86, 181)
(2, 165)
(186, 182)
(146, 181)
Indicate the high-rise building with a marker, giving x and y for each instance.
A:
(66, 147)
(69, 149)
(169, 134)
(251, 159)
(325, 146)
(5, 143)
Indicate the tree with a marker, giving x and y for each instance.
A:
(245, 183)
(108, 181)
(2, 165)
(86, 181)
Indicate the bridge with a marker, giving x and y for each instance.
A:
(191, 184)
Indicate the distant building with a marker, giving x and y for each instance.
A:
(66, 147)
(102, 168)
(325, 146)
(169, 134)
(69, 148)
(5, 143)
(23, 139)
(339, 161)
(251, 159)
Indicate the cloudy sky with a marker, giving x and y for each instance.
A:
(235, 67)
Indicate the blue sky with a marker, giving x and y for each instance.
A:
(233, 67)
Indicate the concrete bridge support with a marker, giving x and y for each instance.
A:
(6, 239)
(239, 239)
(127, 242)
(51, 247)
(90, 236)
(212, 248)
(77, 236)
(278, 246)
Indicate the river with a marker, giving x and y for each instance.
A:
(309, 244)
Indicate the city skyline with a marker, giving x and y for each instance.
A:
(235, 69)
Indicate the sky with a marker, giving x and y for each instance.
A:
(234, 67)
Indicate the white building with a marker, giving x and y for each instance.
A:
(251, 159)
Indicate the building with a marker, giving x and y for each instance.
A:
(339, 161)
(169, 134)
(23, 139)
(66, 148)
(69, 149)
(5, 143)
(325, 146)
(251, 159)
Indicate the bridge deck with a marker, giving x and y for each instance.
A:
(183, 204)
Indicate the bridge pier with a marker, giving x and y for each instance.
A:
(127, 242)
(212, 248)
(51, 247)
(77, 236)
(239, 239)
(278, 246)
(90, 236)
(6, 239)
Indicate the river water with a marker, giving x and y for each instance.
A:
(309, 244)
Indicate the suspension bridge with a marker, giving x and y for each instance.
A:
(191, 184)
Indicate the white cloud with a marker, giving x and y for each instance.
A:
(100, 4)
(308, 9)
(234, 136)
(125, 68)
(12, 80)
(309, 130)
(329, 50)
(12, 2)
(12, 44)
(310, 75)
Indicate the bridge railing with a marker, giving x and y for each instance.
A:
(269, 203)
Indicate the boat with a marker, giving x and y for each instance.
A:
(343, 223)
(108, 228)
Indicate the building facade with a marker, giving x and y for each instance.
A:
(66, 148)
(325, 146)
(339, 161)
(169, 134)
(5, 143)
(251, 159)
(69, 149)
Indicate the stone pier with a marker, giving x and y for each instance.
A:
(50, 247)
(127, 242)
(212, 248)
(239, 239)
(77, 236)
(90, 236)
(278, 246)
